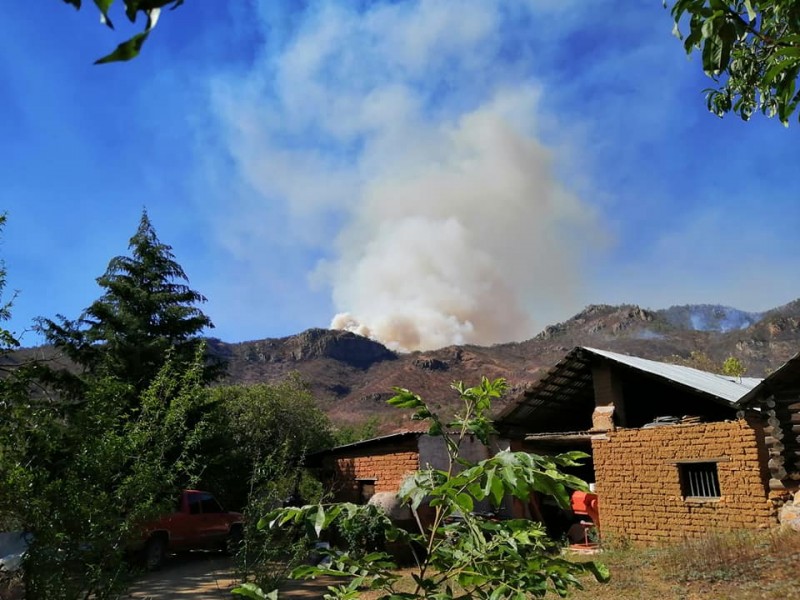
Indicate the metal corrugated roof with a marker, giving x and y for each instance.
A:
(721, 386)
(787, 372)
(569, 385)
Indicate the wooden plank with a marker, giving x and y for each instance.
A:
(774, 444)
(776, 484)
(778, 473)
(776, 462)
(775, 432)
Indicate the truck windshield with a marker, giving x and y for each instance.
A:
(210, 504)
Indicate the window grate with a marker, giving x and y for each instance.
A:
(700, 480)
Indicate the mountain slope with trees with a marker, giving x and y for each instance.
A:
(351, 376)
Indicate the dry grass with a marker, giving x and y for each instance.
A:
(720, 566)
(732, 565)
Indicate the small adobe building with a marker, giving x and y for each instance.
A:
(356, 472)
(672, 454)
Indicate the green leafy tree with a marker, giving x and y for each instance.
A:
(81, 477)
(350, 433)
(262, 434)
(733, 367)
(749, 48)
(80, 474)
(459, 554)
(7, 339)
(147, 310)
(254, 463)
(150, 9)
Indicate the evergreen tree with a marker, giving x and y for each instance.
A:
(146, 310)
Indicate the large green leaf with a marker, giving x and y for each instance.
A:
(405, 399)
(251, 590)
(125, 51)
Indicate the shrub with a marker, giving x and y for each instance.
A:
(465, 557)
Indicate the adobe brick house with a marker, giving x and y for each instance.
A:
(672, 454)
(355, 472)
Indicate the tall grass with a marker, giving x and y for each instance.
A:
(726, 555)
(738, 565)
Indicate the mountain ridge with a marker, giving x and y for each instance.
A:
(352, 376)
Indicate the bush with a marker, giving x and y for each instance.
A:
(81, 476)
(268, 556)
(261, 435)
(468, 557)
(366, 534)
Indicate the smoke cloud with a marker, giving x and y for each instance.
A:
(403, 143)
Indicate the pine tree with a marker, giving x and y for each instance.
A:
(146, 309)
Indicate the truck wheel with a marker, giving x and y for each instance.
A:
(155, 551)
(234, 540)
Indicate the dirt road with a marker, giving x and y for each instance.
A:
(208, 577)
(197, 576)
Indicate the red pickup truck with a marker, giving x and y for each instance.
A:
(199, 523)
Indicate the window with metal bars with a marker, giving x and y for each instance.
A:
(699, 480)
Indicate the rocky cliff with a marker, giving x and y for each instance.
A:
(353, 376)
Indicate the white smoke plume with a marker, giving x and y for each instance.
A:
(400, 133)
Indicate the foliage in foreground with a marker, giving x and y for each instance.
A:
(80, 476)
(749, 48)
(459, 554)
(151, 9)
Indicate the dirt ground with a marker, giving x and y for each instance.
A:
(202, 576)
(635, 576)
(197, 575)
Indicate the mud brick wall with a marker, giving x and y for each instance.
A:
(639, 488)
(386, 465)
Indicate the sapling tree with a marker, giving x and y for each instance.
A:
(458, 553)
(733, 367)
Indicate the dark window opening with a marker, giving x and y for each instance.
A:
(366, 490)
(699, 480)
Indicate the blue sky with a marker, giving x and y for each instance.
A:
(422, 171)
